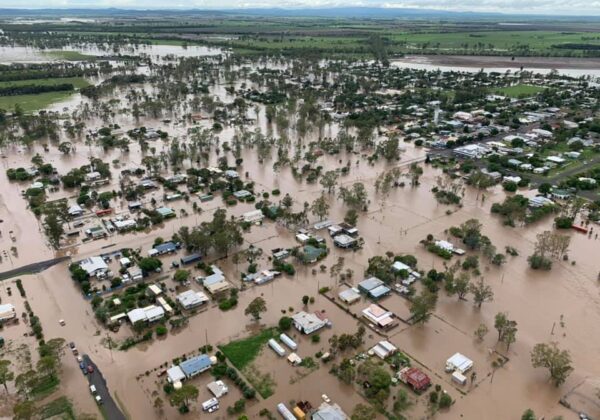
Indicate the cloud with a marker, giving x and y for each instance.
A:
(553, 7)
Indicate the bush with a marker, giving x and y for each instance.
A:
(285, 323)
(539, 262)
(445, 401)
(510, 186)
(563, 222)
(315, 338)
(161, 330)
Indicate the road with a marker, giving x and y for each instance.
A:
(109, 406)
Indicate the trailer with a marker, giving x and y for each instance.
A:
(288, 341)
(276, 347)
(285, 412)
(190, 259)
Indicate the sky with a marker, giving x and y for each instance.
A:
(553, 7)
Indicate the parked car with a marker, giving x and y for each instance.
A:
(82, 367)
(326, 398)
(90, 369)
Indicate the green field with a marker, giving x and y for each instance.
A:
(69, 55)
(242, 352)
(34, 102)
(518, 91)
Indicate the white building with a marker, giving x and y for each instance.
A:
(308, 323)
(191, 299)
(93, 265)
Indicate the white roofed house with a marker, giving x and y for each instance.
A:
(75, 210)
(93, 266)
(308, 323)
(191, 299)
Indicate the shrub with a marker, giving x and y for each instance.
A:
(285, 323)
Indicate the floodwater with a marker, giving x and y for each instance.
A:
(574, 67)
(537, 301)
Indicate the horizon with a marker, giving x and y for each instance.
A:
(543, 7)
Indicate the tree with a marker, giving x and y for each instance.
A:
(355, 197)
(545, 188)
(24, 410)
(6, 375)
(346, 371)
(415, 173)
(481, 293)
(320, 207)
(149, 264)
(181, 276)
(305, 300)
(183, 395)
(528, 415)
(422, 306)
(53, 228)
(363, 412)
(507, 329)
(461, 285)
(65, 147)
(47, 366)
(256, 307)
(351, 217)
(481, 332)
(329, 181)
(557, 361)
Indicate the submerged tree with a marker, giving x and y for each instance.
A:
(558, 362)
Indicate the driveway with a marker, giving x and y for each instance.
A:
(109, 406)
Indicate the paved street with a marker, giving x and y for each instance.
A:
(109, 406)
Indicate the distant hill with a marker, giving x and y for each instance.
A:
(333, 12)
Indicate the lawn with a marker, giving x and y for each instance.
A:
(77, 82)
(242, 352)
(34, 102)
(518, 91)
(60, 408)
(69, 55)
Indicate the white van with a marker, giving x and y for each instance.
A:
(93, 389)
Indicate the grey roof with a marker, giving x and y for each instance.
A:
(370, 283)
(379, 291)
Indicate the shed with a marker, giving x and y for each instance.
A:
(175, 374)
(294, 359)
(189, 259)
(350, 296)
(218, 388)
(285, 339)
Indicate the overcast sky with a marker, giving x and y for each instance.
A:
(556, 7)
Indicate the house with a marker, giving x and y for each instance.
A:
(374, 288)
(308, 323)
(135, 273)
(175, 374)
(265, 276)
(560, 194)
(92, 176)
(123, 225)
(153, 290)
(214, 283)
(93, 266)
(125, 262)
(218, 388)
(556, 159)
(166, 212)
(399, 266)
(379, 316)
(344, 241)
(334, 230)
(7, 312)
(165, 248)
(75, 210)
(311, 254)
(191, 299)
(384, 349)
(242, 194)
(134, 205)
(147, 184)
(415, 378)
(231, 174)
(148, 314)
(328, 411)
(539, 201)
(458, 362)
(195, 365)
(350, 295)
(254, 216)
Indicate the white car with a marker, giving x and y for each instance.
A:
(326, 398)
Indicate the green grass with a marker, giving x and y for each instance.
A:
(38, 101)
(46, 386)
(518, 91)
(242, 352)
(78, 82)
(60, 408)
(69, 55)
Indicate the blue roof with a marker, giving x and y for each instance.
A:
(379, 291)
(166, 247)
(195, 365)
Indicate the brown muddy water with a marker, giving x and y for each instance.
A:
(537, 301)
